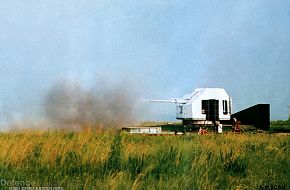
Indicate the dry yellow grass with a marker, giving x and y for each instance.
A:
(78, 160)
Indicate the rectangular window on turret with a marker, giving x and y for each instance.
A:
(225, 107)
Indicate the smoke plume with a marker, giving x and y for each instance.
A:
(69, 104)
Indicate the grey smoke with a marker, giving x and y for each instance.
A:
(69, 104)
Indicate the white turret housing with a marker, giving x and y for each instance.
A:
(193, 108)
(203, 106)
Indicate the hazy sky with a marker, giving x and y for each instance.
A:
(166, 47)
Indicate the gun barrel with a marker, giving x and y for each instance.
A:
(163, 101)
(175, 101)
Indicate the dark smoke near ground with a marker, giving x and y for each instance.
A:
(69, 104)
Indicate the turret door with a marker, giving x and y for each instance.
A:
(211, 109)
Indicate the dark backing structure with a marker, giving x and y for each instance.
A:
(211, 109)
(257, 115)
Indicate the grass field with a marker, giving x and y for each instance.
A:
(106, 159)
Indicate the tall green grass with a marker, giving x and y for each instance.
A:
(104, 159)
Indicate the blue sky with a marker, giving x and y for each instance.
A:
(166, 47)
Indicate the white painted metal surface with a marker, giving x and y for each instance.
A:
(190, 106)
(143, 130)
(220, 128)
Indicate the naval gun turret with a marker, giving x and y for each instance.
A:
(204, 106)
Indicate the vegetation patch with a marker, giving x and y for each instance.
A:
(98, 159)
